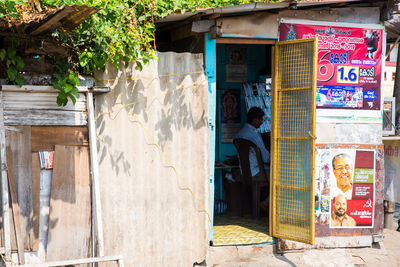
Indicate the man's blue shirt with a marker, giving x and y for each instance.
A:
(249, 132)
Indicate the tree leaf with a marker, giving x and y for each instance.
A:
(19, 80)
(11, 9)
(67, 88)
(20, 63)
(139, 65)
(11, 52)
(71, 96)
(2, 54)
(12, 73)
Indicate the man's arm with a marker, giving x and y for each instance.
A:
(264, 153)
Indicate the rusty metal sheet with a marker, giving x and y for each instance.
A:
(50, 19)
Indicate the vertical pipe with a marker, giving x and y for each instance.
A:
(96, 212)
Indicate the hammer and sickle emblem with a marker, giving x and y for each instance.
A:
(368, 204)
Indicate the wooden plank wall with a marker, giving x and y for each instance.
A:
(33, 197)
(20, 142)
(15, 206)
(44, 138)
(70, 205)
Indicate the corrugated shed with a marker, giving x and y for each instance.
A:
(153, 161)
(23, 107)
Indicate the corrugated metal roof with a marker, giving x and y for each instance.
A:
(47, 21)
(238, 9)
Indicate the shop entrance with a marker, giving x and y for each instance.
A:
(244, 70)
(243, 80)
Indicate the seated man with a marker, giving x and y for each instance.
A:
(255, 118)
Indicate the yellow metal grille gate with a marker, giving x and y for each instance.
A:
(293, 136)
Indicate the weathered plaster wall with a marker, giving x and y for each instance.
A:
(266, 24)
(262, 25)
(349, 133)
(153, 148)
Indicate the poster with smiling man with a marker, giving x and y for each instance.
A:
(352, 188)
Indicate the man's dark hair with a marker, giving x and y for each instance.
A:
(254, 113)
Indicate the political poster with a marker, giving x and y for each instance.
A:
(352, 181)
(345, 187)
(349, 63)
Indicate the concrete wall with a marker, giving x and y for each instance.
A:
(266, 24)
(155, 207)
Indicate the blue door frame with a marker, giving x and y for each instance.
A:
(211, 72)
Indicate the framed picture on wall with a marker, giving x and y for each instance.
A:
(389, 116)
(236, 64)
(230, 115)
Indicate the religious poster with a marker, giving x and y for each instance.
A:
(236, 64)
(392, 167)
(230, 115)
(345, 187)
(349, 63)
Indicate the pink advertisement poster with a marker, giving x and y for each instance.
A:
(349, 64)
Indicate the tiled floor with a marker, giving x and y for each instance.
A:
(234, 230)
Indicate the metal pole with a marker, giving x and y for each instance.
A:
(95, 175)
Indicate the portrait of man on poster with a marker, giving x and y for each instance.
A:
(339, 216)
(343, 172)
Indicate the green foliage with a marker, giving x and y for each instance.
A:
(8, 8)
(14, 63)
(66, 81)
(121, 31)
